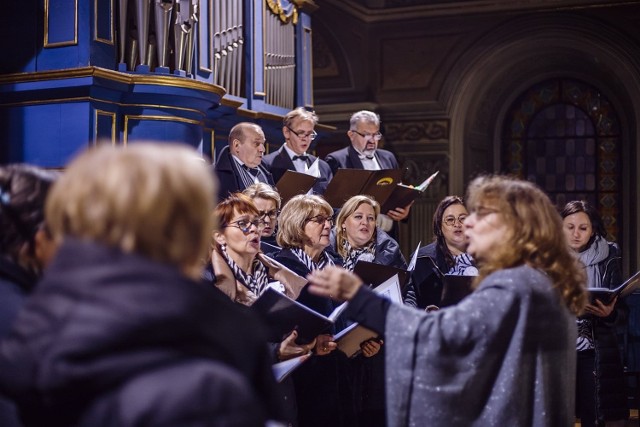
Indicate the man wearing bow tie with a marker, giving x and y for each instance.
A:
(298, 130)
(238, 165)
(363, 153)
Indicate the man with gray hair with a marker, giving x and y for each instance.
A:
(363, 153)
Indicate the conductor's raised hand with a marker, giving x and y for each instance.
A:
(335, 283)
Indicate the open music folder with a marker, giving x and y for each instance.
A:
(351, 337)
(282, 315)
(293, 183)
(607, 295)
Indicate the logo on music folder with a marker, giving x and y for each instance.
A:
(385, 181)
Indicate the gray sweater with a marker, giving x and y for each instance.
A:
(504, 356)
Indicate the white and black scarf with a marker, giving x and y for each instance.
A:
(311, 265)
(256, 282)
(367, 253)
(463, 266)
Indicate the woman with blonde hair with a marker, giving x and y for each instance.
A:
(120, 330)
(357, 238)
(323, 390)
(268, 201)
(505, 354)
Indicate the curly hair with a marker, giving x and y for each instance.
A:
(534, 235)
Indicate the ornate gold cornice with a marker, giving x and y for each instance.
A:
(308, 6)
(97, 72)
(276, 8)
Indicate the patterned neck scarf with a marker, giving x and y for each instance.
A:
(256, 282)
(309, 263)
(368, 253)
(463, 266)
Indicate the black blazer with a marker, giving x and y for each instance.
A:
(229, 180)
(279, 162)
(347, 158)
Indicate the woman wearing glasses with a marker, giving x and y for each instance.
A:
(504, 356)
(322, 384)
(298, 131)
(445, 255)
(239, 270)
(267, 200)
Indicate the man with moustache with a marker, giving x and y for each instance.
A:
(363, 153)
(238, 164)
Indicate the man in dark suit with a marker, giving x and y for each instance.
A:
(297, 128)
(238, 165)
(363, 153)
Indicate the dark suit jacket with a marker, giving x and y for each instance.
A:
(279, 161)
(229, 180)
(347, 158)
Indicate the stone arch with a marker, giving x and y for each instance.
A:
(521, 53)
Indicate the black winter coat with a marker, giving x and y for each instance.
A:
(15, 285)
(322, 384)
(116, 339)
(611, 399)
(426, 281)
(367, 373)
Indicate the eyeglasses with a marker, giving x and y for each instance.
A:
(311, 135)
(273, 214)
(450, 221)
(321, 219)
(245, 225)
(368, 136)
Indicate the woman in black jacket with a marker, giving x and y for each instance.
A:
(356, 238)
(25, 246)
(323, 390)
(600, 390)
(445, 255)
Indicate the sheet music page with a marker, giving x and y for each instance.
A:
(414, 258)
(390, 289)
(314, 169)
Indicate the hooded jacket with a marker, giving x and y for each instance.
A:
(116, 339)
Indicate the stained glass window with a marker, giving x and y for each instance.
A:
(565, 136)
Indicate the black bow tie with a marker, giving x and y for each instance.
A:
(304, 158)
(362, 157)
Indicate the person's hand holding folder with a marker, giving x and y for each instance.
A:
(289, 349)
(600, 309)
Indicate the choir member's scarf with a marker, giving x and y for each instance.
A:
(597, 252)
(354, 255)
(309, 263)
(256, 282)
(463, 266)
